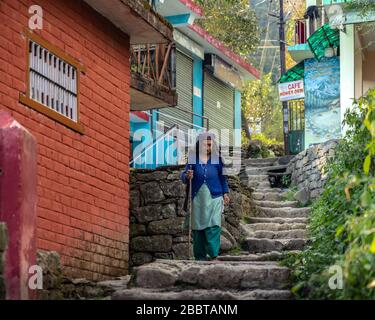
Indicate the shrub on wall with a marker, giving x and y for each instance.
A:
(342, 222)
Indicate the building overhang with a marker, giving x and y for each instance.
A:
(339, 16)
(135, 18)
(145, 94)
(300, 52)
(186, 44)
(179, 7)
(214, 46)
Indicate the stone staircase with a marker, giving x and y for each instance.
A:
(253, 273)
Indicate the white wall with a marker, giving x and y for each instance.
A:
(358, 67)
(347, 62)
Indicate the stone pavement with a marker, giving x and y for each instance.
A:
(253, 273)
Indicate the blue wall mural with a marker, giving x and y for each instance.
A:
(322, 100)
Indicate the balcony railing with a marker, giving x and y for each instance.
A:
(329, 2)
(153, 69)
(304, 28)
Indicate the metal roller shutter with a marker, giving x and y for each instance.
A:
(219, 105)
(184, 88)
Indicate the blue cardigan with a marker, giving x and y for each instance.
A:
(216, 182)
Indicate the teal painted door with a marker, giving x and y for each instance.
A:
(296, 122)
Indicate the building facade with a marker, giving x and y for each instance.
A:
(65, 75)
(333, 50)
(208, 83)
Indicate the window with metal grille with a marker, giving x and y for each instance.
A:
(53, 81)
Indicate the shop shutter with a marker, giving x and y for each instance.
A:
(219, 105)
(184, 88)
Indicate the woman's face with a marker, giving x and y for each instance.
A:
(206, 147)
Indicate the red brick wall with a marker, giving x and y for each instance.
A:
(82, 179)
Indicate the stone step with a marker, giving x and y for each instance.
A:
(261, 161)
(276, 204)
(258, 185)
(212, 275)
(250, 171)
(278, 220)
(283, 212)
(254, 245)
(274, 190)
(259, 177)
(265, 195)
(200, 294)
(285, 234)
(245, 256)
(273, 226)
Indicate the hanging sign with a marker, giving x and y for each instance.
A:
(291, 90)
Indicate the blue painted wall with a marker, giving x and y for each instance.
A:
(198, 83)
(237, 117)
(142, 139)
(178, 19)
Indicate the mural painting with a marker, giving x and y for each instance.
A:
(322, 100)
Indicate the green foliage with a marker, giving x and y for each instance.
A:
(260, 100)
(365, 7)
(342, 223)
(232, 22)
(235, 251)
(289, 195)
(286, 180)
(265, 140)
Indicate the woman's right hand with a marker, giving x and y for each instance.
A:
(190, 174)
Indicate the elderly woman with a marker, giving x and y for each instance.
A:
(209, 194)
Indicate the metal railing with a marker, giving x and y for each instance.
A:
(183, 123)
(151, 146)
(178, 133)
(155, 62)
(304, 28)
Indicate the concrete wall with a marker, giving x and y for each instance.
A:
(3, 247)
(18, 202)
(82, 179)
(307, 168)
(358, 67)
(347, 69)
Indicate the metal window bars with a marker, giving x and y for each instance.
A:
(304, 28)
(53, 81)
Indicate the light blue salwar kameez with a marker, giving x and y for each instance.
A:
(206, 223)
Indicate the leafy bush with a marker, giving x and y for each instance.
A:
(342, 222)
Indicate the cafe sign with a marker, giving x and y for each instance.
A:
(291, 90)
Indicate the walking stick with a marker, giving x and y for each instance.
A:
(190, 212)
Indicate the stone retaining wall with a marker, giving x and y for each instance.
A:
(157, 216)
(56, 286)
(306, 169)
(3, 246)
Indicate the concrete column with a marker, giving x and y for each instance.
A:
(237, 118)
(198, 92)
(18, 201)
(347, 70)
